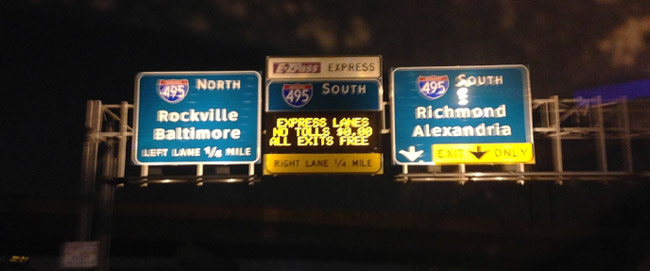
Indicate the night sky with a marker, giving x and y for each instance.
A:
(56, 55)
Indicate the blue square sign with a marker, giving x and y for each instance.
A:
(461, 114)
(197, 118)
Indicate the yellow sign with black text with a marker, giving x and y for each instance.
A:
(493, 153)
(367, 163)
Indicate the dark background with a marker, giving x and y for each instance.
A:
(56, 55)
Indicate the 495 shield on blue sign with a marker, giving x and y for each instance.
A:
(433, 86)
(297, 95)
(173, 90)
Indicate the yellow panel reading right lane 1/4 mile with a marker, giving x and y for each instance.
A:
(494, 153)
(327, 163)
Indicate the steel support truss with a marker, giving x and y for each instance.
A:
(109, 131)
(560, 121)
(555, 119)
(108, 123)
(104, 167)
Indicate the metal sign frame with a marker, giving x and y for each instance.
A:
(366, 69)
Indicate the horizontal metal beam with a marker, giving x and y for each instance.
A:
(522, 176)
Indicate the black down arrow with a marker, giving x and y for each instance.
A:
(478, 153)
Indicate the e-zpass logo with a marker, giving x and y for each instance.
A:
(433, 86)
(173, 90)
(296, 67)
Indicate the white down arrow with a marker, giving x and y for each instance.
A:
(411, 154)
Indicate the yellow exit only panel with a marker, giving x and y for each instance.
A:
(493, 153)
